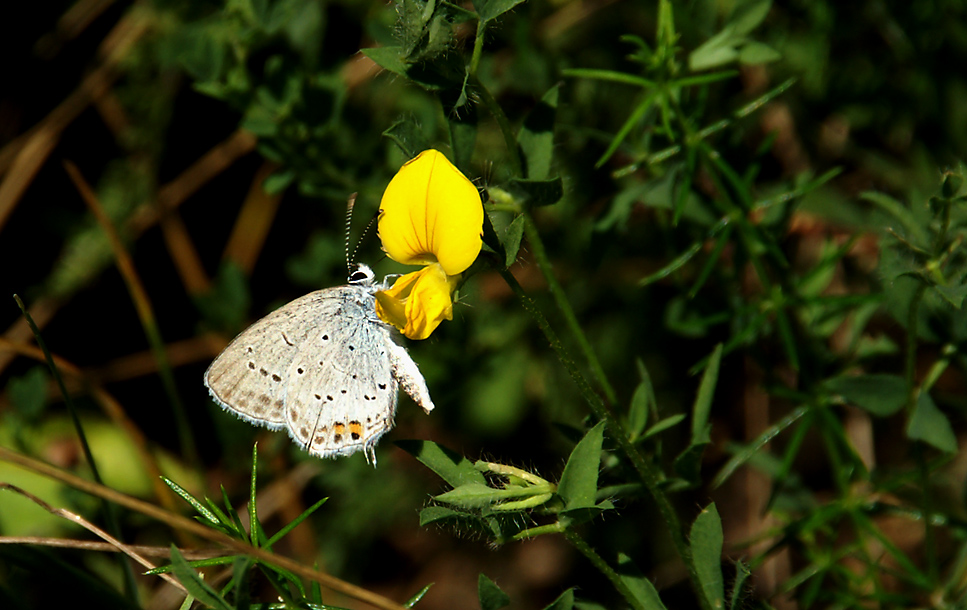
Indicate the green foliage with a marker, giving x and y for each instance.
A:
(719, 237)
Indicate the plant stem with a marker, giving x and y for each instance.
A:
(478, 43)
(602, 565)
(650, 474)
(540, 255)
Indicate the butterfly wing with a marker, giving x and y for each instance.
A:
(341, 388)
(250, 377)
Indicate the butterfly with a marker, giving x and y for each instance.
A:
(325, 367)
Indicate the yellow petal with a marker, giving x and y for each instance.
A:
(417, 302)
(430, 213)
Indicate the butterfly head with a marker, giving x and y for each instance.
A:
(361, 275)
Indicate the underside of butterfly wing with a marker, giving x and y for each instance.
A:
(341, 391)
(249, 377)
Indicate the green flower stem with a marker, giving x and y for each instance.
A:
(602, 565)
(540, 255)
(650, 475)
(510, 138)
(478, 43)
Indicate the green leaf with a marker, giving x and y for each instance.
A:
(488, 9)
(703, 400)
(28, 393)
(491, 597)
(449, 465)
(953, 294)
(706, 542)
(664, 424)
(408, 135)
(930, 425)
(432, 514)
(536, 193)
(295, 522)
(536, 137)
(640, 585)
(753, 53)
(880, 394)
(193, 582)
(638, 411)
(747, 15)
(190, 499)
(716, 51)
(416, 598)
(472, 495)
(579, 481)
(511, 238)
(564, 601)
(755, 446)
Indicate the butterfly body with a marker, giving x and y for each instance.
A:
(324, 367)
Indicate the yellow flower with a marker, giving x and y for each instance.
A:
(430, 215)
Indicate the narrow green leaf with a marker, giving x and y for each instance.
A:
(716, 51)
(294, 523)
(416, 598)
(629, 124)
(676, 264)
(753, 53)
(880, 394)
(192, 581)
(256, 535)
(640, 585)
(610, 75)
(449, 465)
(471, 495)
(200, 563)
(190, 499)
(706, 542)
(755, 446)
(491, 597)
(638, 411)
(930, 425)
(536, 137)
(564, 601)
(579, 481)
(664, 424)
(703, 400)
(747, 15)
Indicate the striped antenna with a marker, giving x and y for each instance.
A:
(349, 222)
(363, 236)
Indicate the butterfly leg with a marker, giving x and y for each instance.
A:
(407, 373)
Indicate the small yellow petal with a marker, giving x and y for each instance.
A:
(417, 302)
(430, 213)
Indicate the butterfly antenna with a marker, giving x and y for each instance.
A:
(363, 236)
(349, 221)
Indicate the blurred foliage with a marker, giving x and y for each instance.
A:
(717, 329)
